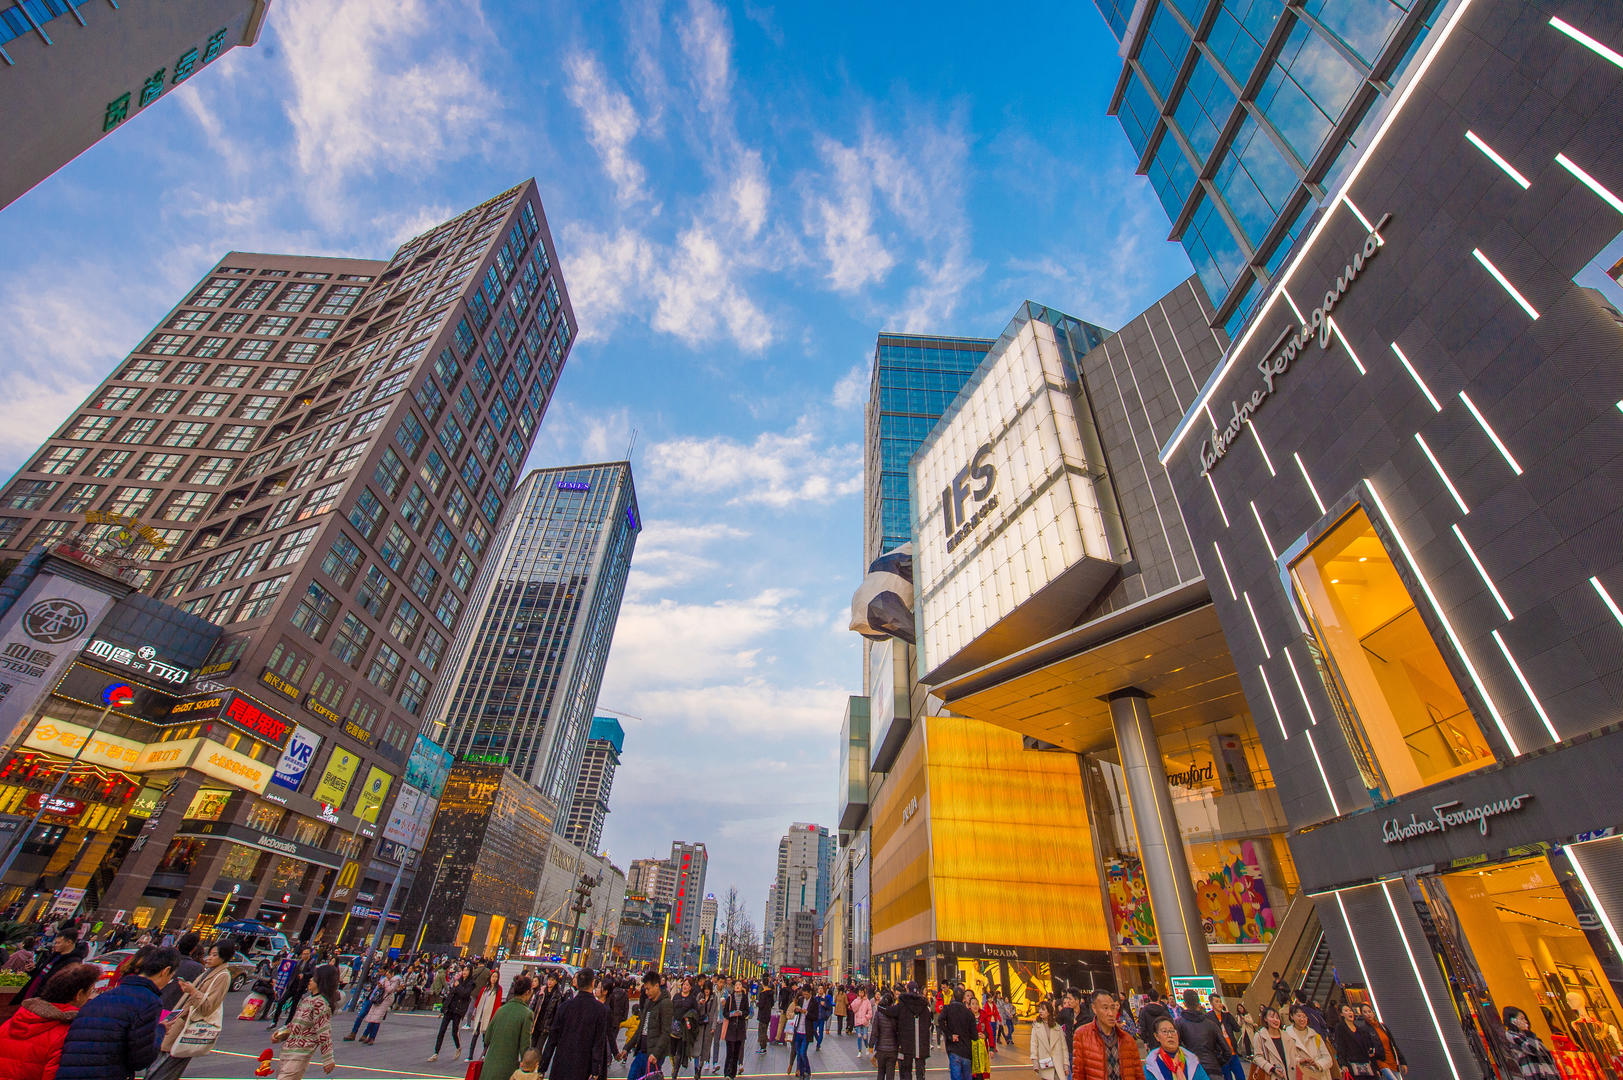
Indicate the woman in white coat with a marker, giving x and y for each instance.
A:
(1268, 1050)
(484, 1007)
(1306, 1055)
(1050, 1056)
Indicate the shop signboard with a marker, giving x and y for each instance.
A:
(53, 804)
(39, 635)
(64, 739)
(142, 658)
(336, 777)
(1204, 985)
(373, 792)
(261, 841)
(296, 759)
(66, 903)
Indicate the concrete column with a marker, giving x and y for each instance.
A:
(1166, 871)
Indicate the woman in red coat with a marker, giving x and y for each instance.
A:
(31, 1041)
(988, 1020)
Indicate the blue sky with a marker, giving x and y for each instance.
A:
(742, 196)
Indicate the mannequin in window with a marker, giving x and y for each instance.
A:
(1590, 1034)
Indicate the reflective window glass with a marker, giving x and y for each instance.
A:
(1255, 180)
(1163, 50)
(1213, 249)
(1138, 116)
(1362, 25)
(1307, 90)
(1241, 29)
(1204, 107)
(1172, 176)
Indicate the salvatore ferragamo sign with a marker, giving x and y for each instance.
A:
(1450, 815)
(1278, 359)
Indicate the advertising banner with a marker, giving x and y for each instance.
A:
(340, 770)
(428, 767)
(370, 800)
(296, 759)
(38, 637)
(64, 739)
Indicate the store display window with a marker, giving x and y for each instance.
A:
(1412, 720)
(1512, 938)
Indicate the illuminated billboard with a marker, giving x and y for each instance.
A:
(1015, 523)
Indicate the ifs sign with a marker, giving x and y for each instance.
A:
(973, 482)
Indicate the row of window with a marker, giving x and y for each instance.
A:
(257, 293)
(226, 376)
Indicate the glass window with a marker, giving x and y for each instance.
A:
(1204, 108)
(31, 494)
(1255, 180)
(1409, 719)
(1163, 50)
(315, 611)
(462, 573)
(280, 378)
(342, 560)
(373, 594)
(349, 643)
(186, 505)
(366, 513)
(385, 668)
(432, 648)
(1214, 250)
(77, 499)
(261, 595)
(405, 622)
(390, 473)
(1173, 179)
(396, 547)
(1306, 90)
(413, 692)
(186, 374)
(118, 398)
(61, 459)
(1363, 26)
(1241, 29)
(109, 462)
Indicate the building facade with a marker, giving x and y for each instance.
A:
(689, 863)
(1243, 114)
(573, 878)
(73, 71)
(525, 669)
(589, 806)
(801, 893)
(653, 878)
(313, 455)
(1403, 485)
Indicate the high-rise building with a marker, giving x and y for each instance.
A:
(914, 379)
(76, 71)
(801, 894)
(1243, 113)
(524, 672)
(707, 918)
(313, 454)
(653, 878)
(590, 804)
(689, 861)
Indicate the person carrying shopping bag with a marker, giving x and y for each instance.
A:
(191, 1030)
(310, 1031)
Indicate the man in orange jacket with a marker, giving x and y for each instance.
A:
(1102, 1049)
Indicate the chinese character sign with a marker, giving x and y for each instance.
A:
(38, 637)
(154, 85)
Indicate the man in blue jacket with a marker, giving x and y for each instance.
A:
(116, 1034)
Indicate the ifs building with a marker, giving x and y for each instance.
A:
(1404, 484)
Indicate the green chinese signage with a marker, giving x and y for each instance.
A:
(118, 110)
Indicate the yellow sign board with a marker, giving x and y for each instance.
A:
(335, 778)
(114, 751)
(60, 737)
(372, 794)
(123, 521)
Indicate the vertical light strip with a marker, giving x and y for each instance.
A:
(1482, 570)
(1357, 363)
(1266, 651)
(1538, 706)
(1266, 460)
(1286, 294)
(1418, 381)
(1268, 686)
(1594, 901)
(1217, 500)
(1335, 807)
(1441, 475)
(1357, 213)
(1493, 156)
(1442, 617)
(1584, 39)
(1301, 688)
(1271, 553)
(1311, 489)
(1358, 954)
(1493, 436)
(1498, 276)
(1419, 982)
(1590, 182)
(1225, 565)
(1611, 605)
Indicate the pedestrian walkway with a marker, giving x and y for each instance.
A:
(407, 1038)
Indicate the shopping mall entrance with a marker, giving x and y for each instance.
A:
(1521, 933)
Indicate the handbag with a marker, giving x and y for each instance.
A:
(198, 1036)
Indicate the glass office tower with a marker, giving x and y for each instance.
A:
(1241, 111)
(527, 667)
(915, 377)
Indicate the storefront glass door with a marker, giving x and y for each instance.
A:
(1511, 938)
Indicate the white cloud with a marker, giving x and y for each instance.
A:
(611, 123)
(843, 221)
(379, 84)
(774, 469)
(851, 390)
(670, 555)
(666, 642)
(708, 43)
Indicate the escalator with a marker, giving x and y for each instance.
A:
(1301, 955)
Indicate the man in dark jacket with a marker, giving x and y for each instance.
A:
(764, 1004)
(912, 1033)
(546, 1009)
(297, 983)
(579, 1037)
(1199, 1034)
(958, 1033)
(1152, 1011)
(814, 1018)
(457, 999)
(651, 1044)
(65, 949)
(115, 1034)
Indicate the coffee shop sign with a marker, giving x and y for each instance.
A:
(1450, 815)
(1277, 361)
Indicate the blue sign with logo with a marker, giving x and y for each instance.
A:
(574, 485)
(301, 750)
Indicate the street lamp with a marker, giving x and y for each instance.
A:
(664, 939)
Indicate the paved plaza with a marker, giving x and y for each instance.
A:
(407, 1038)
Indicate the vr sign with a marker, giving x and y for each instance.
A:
(954, 499)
